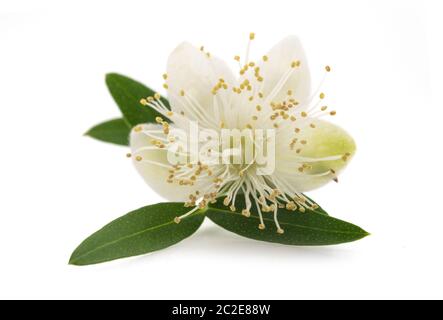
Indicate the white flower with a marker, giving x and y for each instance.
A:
(273, 93)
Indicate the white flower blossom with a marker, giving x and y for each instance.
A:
(273, 93)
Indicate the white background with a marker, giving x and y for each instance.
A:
(57, 187)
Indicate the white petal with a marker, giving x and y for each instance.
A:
(327, 141)
(191, 70)
(280, 58)
(155, 175)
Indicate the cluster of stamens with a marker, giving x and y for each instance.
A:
(265, 194)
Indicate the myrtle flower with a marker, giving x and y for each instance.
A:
(271, 93)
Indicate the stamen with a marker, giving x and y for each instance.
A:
(187, 214)
(251, 37)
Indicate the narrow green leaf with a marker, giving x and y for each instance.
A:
(304, 229)
(141, 231)
(112, 131)
(127, 94)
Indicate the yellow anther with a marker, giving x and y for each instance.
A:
(246, 213)
(170, 113)
(295, 64)
(138, 158)
(143, 101)
(157, 96)
(303, 142)
(260, 94)
(165, 86)
(261, 226)
(291, 205)
(265, 58)
(333, 113)
(237, 58)
(280, 231)
(177, 220)
(322, 95)
(128, 155)
(289, 92)
(293, 118)
(312, 125)
(182, 93)
(165, 76)
(258, 107)
(323, 108)
(297, 130)
(328, 69)
(255, 118)
(159, 119)
(304, 114)
(138, 129)
(252, 36)
(251, 64)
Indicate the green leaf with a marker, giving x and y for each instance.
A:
(127, 94)
(304, 229)
(141, 231)
(112, 131)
